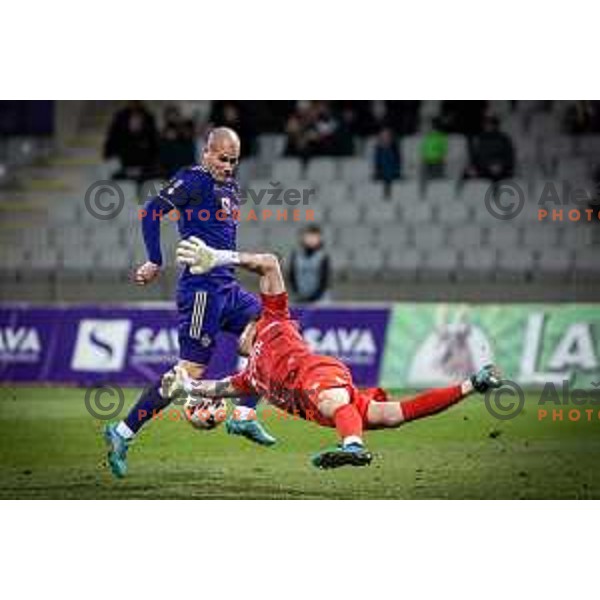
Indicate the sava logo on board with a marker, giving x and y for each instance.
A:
(101, 345)
(20, 344)
(354, 346)
(155, 345)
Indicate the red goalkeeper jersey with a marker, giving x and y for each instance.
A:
(282, 368)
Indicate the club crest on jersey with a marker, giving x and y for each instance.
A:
(205, 340)
(226, 205)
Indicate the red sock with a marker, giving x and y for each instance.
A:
(348, 421)
(430, 402)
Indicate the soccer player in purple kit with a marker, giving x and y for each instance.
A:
(206, 197)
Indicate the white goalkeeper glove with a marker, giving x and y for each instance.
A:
(175, 382)
(200, 258)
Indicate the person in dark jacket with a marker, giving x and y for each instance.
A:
(491, 154)
(310, 268)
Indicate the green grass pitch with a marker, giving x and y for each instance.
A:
(50, 447)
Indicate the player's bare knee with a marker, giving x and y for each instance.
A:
(332, 400)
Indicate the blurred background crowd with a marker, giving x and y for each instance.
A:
(400, 190)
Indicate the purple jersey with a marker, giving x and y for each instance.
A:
(206, 210)
(213, 302)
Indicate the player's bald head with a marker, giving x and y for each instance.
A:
(223, 139)
(222, 152)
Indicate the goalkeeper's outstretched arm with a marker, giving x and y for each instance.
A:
(177, 383)
(201, 258)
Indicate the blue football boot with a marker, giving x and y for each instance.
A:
(117, 450)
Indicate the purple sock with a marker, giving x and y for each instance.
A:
(248, 401)
(149, 404)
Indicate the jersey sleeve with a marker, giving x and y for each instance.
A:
(275, 306)
(241, 383)
(151, 216)
(188, 187)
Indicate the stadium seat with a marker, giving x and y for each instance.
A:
(66, 211)
(341, 259)
(357, 236)
(457, 156)
(452, 213)
(46, 259)
(115, 258)
(381, 212)
(406, 193)
(411, 159)
(394, 236)
(271, 146)
(586, 264)
(440, 191)
(85, 259)
(286, 169)
(356, 170)
(71, 238)
(474, 191)
(13, 258)
(345, 214)
(281, 237)
(332, 193)
(322, 170)
(251, 237)
(366, 193)
(247, 170)
(104, 235)
(441, 264)
(540, 236)
(513, 263)
(504, 235)
(369, 260)
(429, 236)
(478, 262)
(465, 236)
(554, 262)
(417, 214)
(405, 263)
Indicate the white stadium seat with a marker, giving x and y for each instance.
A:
(356, 170)
(381, 212)
(322, 170)
(286, 169)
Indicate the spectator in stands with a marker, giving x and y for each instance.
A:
(309, 271)
(133, 140)
(463, 116)
(491, 153)
(387, 158)
(434, 151)
(177, 148)
(582, 117)
(344, 136)
(315, 130)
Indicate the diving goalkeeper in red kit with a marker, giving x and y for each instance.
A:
(283, 370)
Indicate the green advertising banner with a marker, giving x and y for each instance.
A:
(437, 344)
